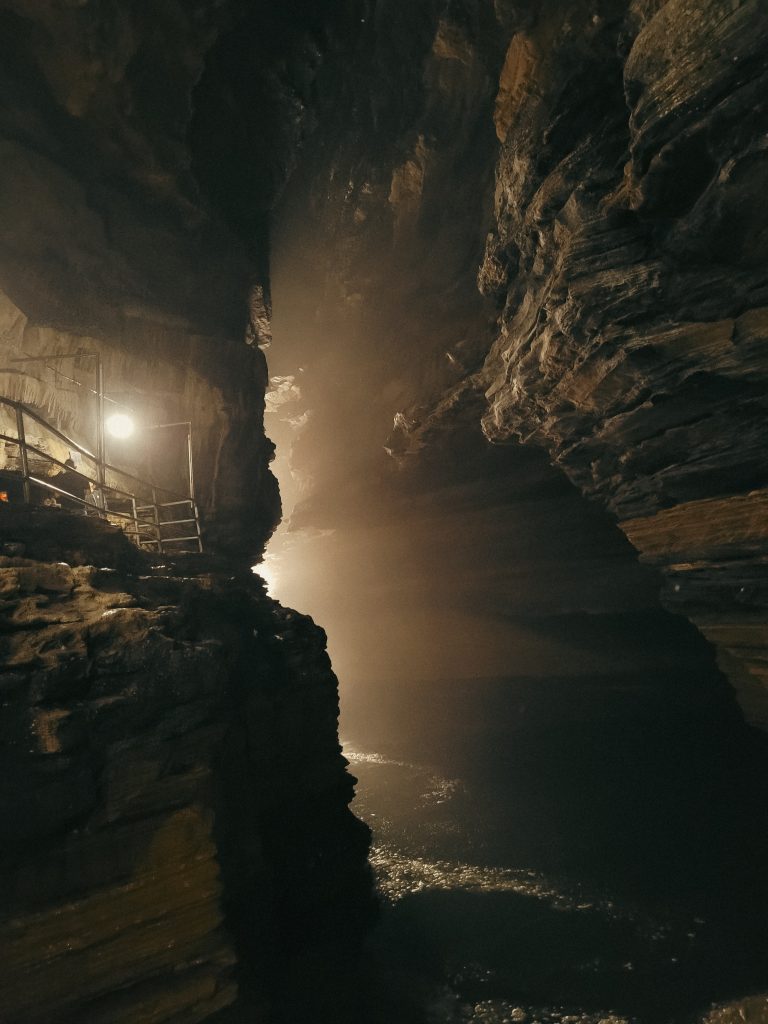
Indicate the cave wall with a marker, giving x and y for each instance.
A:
(595, 172)
(175, 821)
(108, 246)
(629, 256)
(552, 207)
(163, 374)
(174, 801)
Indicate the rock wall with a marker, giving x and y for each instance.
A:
(173, 793)
(609, 158)
(602, 164)
(629, 256)
(161, 374)
(108, 247)
(175, 803)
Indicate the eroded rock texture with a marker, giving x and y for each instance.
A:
(597, 171)
(108, 248)
(596, 168)
(629, 253)
(174, 797)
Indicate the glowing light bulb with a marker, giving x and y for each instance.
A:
(120, 425)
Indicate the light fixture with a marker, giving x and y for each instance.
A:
(120, 425)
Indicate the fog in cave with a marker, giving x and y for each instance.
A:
(547, 759)
(483, 284)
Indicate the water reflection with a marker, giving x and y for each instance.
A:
(604, 864)
(546, 854)
(467, 936)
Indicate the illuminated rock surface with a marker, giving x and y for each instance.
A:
(597, 171)
(173, 791)
(174, 796)
(632, 340)
(545, 218)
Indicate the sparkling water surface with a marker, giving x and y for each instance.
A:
(529, 889)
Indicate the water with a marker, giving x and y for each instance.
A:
(561, 855)
(550, 851)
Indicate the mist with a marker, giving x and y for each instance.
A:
(456, 560)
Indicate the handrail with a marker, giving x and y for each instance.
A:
(157, 525)
(52, 458)
(141, 526)
(15, 404)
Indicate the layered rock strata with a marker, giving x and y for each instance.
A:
(610, 161)
(629, 256)
(176, 802)
(109, 250)
(174, 797)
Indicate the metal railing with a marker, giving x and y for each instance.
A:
(154, 518)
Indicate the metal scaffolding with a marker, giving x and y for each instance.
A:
(154, 518)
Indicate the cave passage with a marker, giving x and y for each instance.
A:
(442, 326)
(567, 807)
(566, 804)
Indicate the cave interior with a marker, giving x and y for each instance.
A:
(459, 309)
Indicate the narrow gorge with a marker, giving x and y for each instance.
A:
(440, 332)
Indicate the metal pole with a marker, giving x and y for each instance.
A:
(156, 516)
(137, 539)
(189, 458)
(192, 502)
(100, 445)
(23, 453)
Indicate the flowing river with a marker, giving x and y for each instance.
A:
(600, 864)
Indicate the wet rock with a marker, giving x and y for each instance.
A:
(643, 396)
(620, 249)
(134, 763)
(748, 1011)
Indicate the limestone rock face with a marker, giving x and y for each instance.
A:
(558, 207)
(631, 342)
(174, 801)
(172, 784)
(597, 171)
(108, 247)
